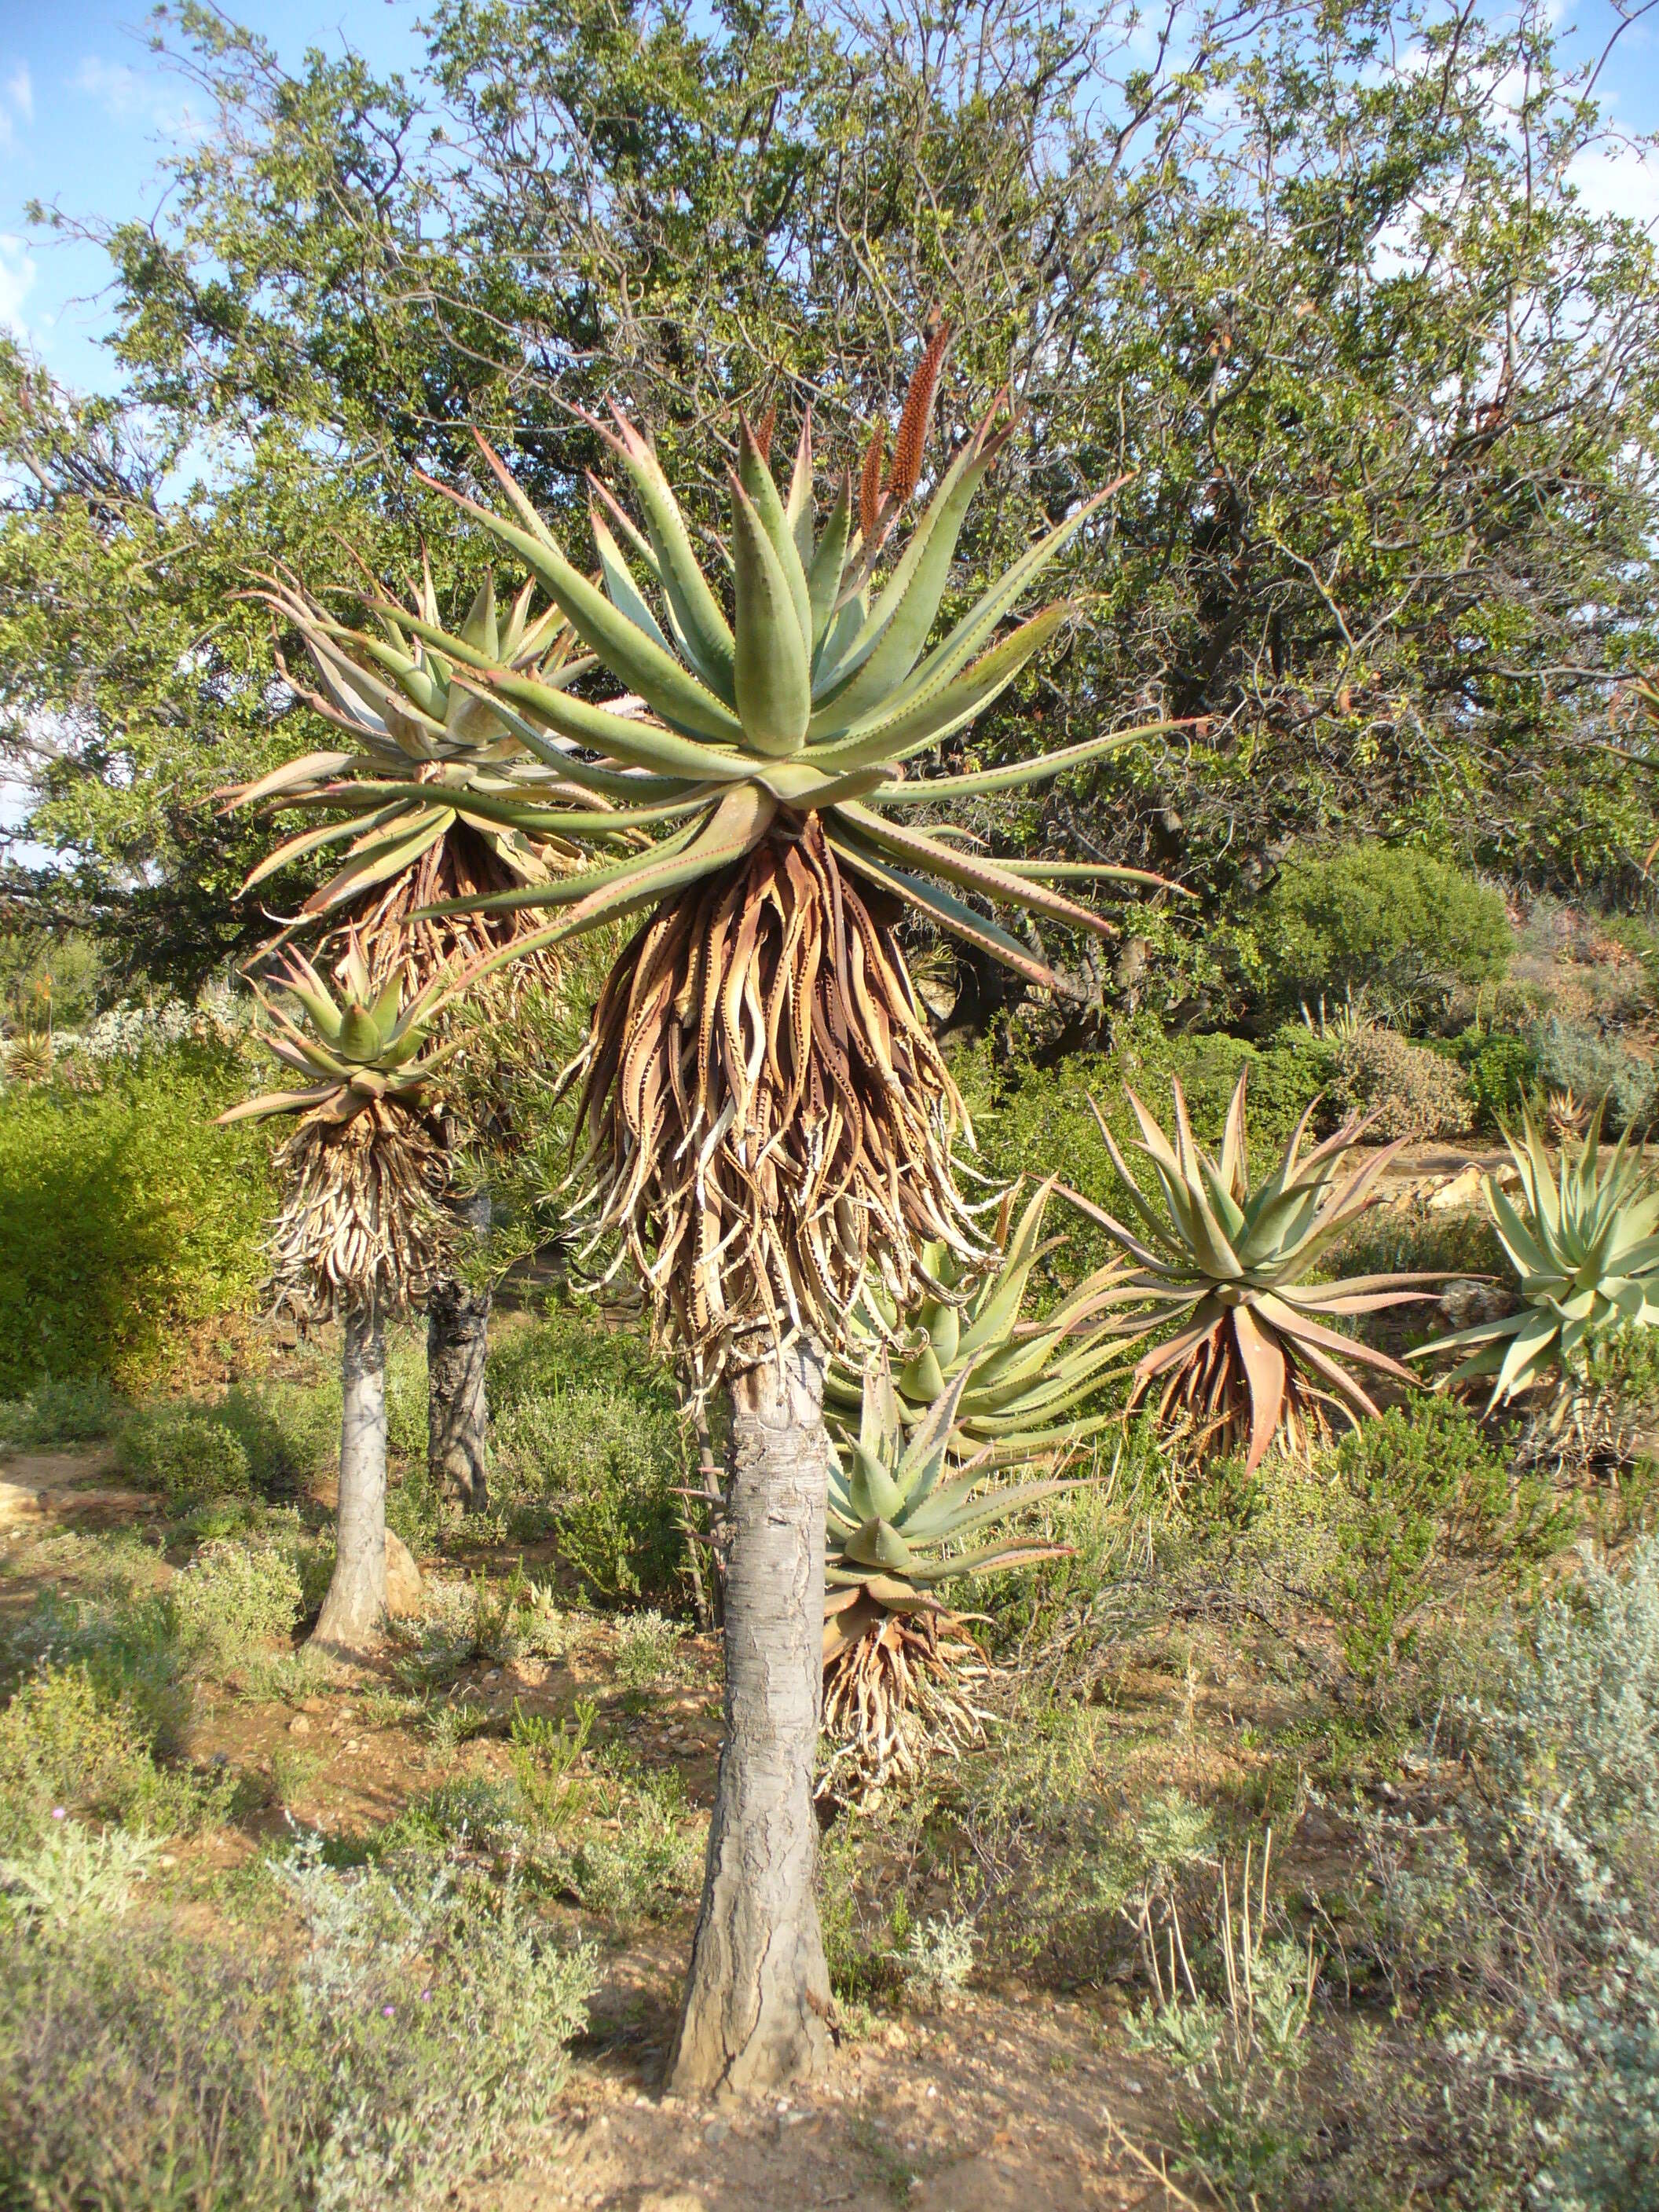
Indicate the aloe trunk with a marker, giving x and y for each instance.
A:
(457, 1353)
(350, 1618)
(756, 2004)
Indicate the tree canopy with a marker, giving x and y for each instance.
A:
(1317, 283)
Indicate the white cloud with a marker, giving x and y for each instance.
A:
(16, 280)
(1618, 179)
(130, 95)
(16, 103)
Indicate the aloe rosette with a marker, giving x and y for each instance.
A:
(1252, 1355)
(766, 1116)
(362, 1223)
(900, 1508)
(435, 792)
(1584, 1242)
(1025, 1378)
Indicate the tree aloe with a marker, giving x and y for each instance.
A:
(764, 1114)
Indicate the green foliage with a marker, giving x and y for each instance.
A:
(1424, 1482)
(1502, 1070)
(234, 1597)
(73, 1411)
(588, 1447)
(125, 1220)
(426, 2017)
(67, 1747)
(1574, 1056)
(1404, 1090)
(1378, 921)
(185, 1454)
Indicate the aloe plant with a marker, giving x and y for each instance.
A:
(1024, 1377)
(1584, 1245)
(900, 1508)
(1253, 1355)
(369, 1046)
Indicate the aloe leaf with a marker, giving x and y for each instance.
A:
(769, 670)
(927, 721)
(890, 641)
(636, 742)
(829, 564)
(949, 914)
(760, 488)
(624, 594)
(1019, 773)
(310, 768)
(637, 660)
(695, 610)
(918, 850)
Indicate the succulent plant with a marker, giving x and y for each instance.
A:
(427, 755)
(766, 1115)
(1585, 1244)
(1253, 1353)
(368, 1049)
(899, 1504)
(1023, 1377)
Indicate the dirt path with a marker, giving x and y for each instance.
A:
(46, 1485)
(1000, 2105)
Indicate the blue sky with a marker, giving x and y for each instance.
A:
(87, 111)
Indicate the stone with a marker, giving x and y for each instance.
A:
(402, 1578)
(299, 1725)
(672, 2200)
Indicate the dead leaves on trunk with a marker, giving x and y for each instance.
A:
(362, 1220)
(765, 1112)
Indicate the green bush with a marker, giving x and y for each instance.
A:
(1424, 1480)
(186, 1453)
(1574, 1056)
(1404, 1091)
(233, 1597)
(150, 2071)
(67, 1747)
(588, 1446)
(76, 1411)
(126, 1219)
(1501, 1072)
(1376, 921)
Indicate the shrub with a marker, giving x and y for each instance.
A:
(1424, 1480)
(1376, 921)
(1501, 1071)
(72, 1873)
(1572, 1056)
(74, 1410)
(600, 1464)
(233, 1597)
(152, 2071)
(65, 1748)
(127, 1219)
(186, 1453)
(649, 1651)
(1411, 1091)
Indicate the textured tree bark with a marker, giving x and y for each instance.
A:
(457, 1353)
(352, 1611)
(757, 2001)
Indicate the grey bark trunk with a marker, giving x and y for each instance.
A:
(352, 1611)
(457, 1353)
(758, 2002)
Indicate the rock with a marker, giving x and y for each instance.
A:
(1465, 1303)
(402, 1578)
(299, 1725)
(672, 2200)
